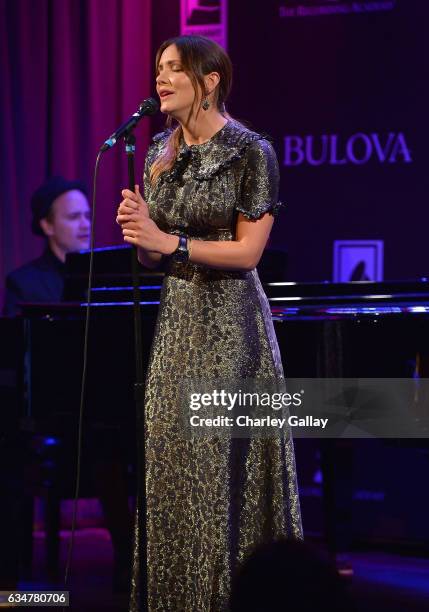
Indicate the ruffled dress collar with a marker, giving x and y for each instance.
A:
(208, 159)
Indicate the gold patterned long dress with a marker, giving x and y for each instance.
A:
(210, 499)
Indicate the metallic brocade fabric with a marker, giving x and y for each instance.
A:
(210, 500)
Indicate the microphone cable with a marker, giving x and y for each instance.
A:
(83, 378)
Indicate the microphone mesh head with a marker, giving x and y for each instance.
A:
(149, 106)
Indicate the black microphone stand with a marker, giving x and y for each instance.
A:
(130, 147)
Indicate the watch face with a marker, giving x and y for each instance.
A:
(181, 254)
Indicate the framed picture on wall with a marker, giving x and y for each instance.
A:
(358, 260)
(206, 18)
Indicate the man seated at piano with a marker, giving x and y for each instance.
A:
(62, 216)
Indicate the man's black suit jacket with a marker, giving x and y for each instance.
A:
(41, 280)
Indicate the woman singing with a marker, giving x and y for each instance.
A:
(210, 194)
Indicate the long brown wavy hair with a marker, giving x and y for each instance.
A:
(199, 56)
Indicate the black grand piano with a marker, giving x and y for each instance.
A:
(356, 329)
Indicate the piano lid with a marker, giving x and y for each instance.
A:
(361, 292)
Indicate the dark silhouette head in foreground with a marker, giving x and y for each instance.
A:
(288, 576)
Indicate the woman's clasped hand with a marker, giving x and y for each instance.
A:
(137, 227)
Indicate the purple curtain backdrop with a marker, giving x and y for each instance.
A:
(71, 72)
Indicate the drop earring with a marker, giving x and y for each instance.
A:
(205, 104)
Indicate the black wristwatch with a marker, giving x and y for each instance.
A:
(181, 254)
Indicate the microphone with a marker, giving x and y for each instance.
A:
(148, 107)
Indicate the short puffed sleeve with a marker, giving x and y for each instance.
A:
(260, 184)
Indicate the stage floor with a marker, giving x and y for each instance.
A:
(381, 581)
